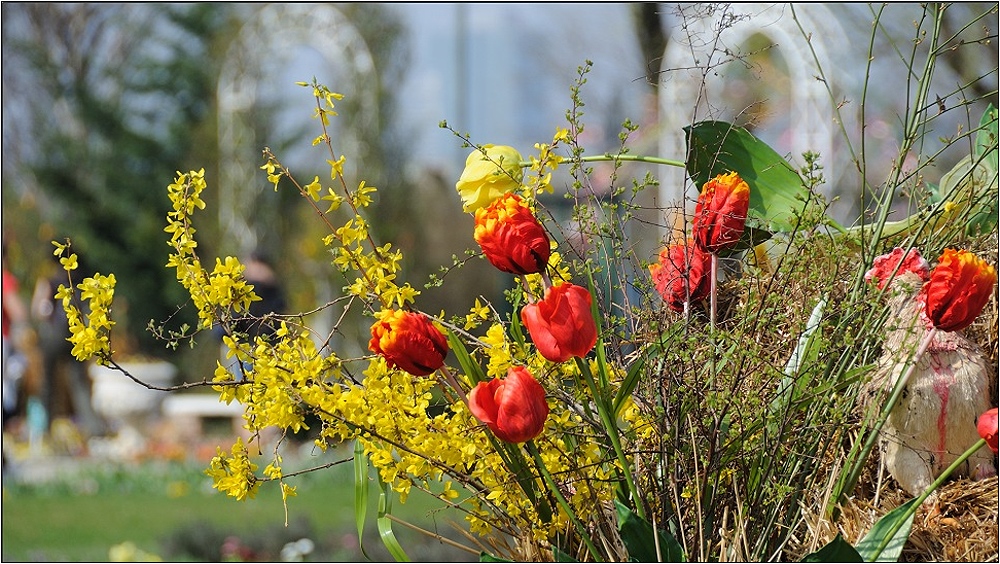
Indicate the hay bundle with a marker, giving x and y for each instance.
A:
(961, 526)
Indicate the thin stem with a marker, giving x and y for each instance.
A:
(713, 311)
(436, 536)
(453, 382)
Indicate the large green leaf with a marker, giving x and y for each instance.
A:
(986, 138)
(776, 191)
(838, 550)
(987, 150)
(896, 523)
(972, 184)
(637, 535)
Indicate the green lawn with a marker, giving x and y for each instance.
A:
(172, 511)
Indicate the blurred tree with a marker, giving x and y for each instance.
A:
(651, 34)
(112, 100)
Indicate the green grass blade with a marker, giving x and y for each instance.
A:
(487, 557)
(628, 385)
(360, 493)
(465, 360)
(385, 524)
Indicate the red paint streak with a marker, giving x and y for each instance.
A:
(944, 377)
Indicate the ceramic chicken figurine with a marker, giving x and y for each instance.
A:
(934, 421)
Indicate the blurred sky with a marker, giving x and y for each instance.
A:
(502, 72)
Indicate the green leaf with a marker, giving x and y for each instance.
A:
(360, 493)
(385, 524)
(987, 151)
(901, 517)
(838, 550)
(560, 556)
(465, 360)
(777, 195)
(987, 136)
(972, 182)
(637, 535)
(516, 331)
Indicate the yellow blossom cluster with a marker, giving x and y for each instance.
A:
(90, 333)
(546, 162)
(234, 474)
(214, 294)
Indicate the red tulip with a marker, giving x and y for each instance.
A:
(987, 426)
(959, 287)
(513, 408)
(561, 325)
(896, 262)
(721, 213)
(511, 237)
(409, 341)
(682, 275)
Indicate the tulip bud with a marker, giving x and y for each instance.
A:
(511, 237)
(682, 275)
(562, 324)
(487, 177)
(987, 427)
(409, 341)
(720, 215)
(513, 408)
(958, 289)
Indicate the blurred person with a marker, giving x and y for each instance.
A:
(66, 386)
(259, 272)
(15, 317)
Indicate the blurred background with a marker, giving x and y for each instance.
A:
(103, 103)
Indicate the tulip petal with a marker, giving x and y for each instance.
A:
(958, 289)
(561, 324)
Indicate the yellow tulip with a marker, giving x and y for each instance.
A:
(488, 176)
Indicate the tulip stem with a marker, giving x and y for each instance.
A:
(584, 536)
(453, 382)
(713, 277)
(622, 157)
(713, 288)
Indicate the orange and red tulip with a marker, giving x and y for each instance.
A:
(511, 237)
(409, 341)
